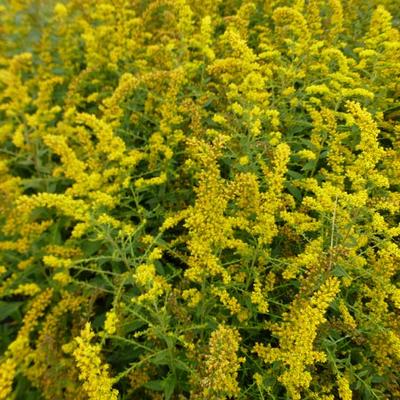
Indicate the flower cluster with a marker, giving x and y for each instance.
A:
(222, 364)
(93, 373)
(209, 188)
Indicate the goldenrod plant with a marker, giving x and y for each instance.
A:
(199, 199)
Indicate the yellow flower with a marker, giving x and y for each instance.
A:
(307, 154)
(62, 277)
(94, 374)
(222, 364)
(259, 298)
(110, 324)
(193, 296)
(296, 337)
(7, 372)
(345, 392)
(244, 160)
(18, 351)
(60, 10)
(27, 289)
(156, 254)
(219, 119)
(347, 317)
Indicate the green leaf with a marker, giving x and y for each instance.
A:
(181, 365)
(295, 175)
(377, 379)
(338, 271)
(160, 358)
(8, 308)
(294, 191)
(90, 247)
(55, 233)
(169, 386)
(155, 385)
(309, 166)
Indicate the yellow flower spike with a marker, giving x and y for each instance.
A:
(7, 372)
(202, 116)
(345, 393)
(156, 254)
(94, 374)
(157, 180)
(27, 289)
(63, 278)
(307, 154)
(296, 337)
(18, 351)
(192, 296)
(347, 317)
(110, 324)
(336, 20)
(60, 10)
(222, 364)
(244, 160)
(145, 274)
(370, 151)
(219, 119)
(258, 379)
(152, 285)
(19, 138)
(258, 298)
(228, 301)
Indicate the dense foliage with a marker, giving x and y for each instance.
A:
(199, 199)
